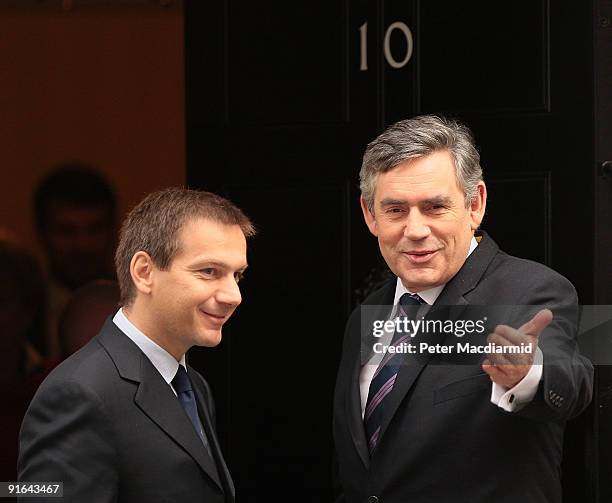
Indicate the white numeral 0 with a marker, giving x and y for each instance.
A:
(398, 25)
(409, 43)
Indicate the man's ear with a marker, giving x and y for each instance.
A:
(369, 218)
(141, 270)
(478, 206)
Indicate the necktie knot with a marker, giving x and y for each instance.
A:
(181, 382)
(411, 299)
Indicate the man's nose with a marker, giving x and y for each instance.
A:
(416, 226)
(229, 292)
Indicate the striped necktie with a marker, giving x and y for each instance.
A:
(384, 378)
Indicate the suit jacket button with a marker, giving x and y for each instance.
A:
(373, 499)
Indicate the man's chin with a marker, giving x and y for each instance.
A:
(419, 280)
(210, 338)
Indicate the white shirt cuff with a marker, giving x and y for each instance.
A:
(521, 394)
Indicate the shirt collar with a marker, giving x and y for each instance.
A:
(163, 361)
(431, 294)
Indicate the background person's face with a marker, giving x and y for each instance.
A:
(420, 219)
(78, 242)
(199, 291)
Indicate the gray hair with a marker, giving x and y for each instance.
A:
(419, 137)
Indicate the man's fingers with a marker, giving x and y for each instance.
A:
(509, 369)
(496, 374)
(538, 323)
(508, 334)
(502, 361)
(503, 373)
(494, 362)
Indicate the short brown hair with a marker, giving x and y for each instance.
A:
(154, 225)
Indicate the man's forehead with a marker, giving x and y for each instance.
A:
(212, 230)
(208, 240)
(423, 187)
(427, 177)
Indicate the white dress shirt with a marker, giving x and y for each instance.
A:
(163, 361)
(508, 399)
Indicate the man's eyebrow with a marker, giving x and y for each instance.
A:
(215, 263)
(432, 201)
(437, 201)
(389, 201)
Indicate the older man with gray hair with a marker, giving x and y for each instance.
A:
(413, 424)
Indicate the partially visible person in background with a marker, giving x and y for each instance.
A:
(22, 369)
(75, 210)
(85, 314)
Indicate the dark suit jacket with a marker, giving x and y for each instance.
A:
(107, 425)
(442, 438)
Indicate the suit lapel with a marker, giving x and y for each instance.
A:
(154, 397)
(377, 308)
(214, 444)
(353, 413)
(157, 401)
(449, 305)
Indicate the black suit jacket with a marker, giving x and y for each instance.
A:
(442, 438)
(107, 425)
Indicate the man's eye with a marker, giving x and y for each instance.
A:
(393, 210)
(437, 207)
(238, 276)
(209, 271)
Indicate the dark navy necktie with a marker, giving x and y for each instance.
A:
(184, 392)
(384, 378)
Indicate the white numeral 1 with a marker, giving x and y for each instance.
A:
(363, 33)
